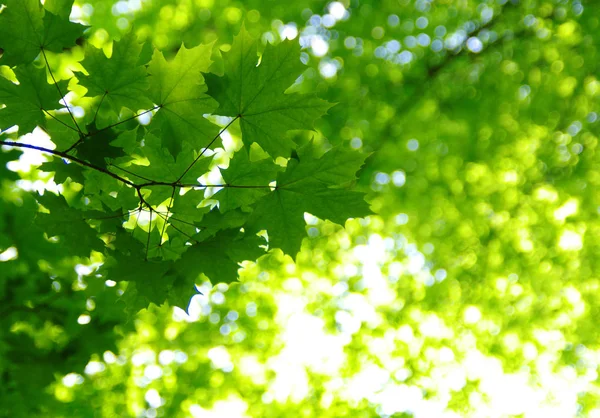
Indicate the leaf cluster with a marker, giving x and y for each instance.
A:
(164, 201)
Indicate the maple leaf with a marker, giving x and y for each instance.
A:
(162, 166)
(178, 87)
(141, 191)
(219, 257)
(69, 224)
(120, 80)
(26, 29)
(60, 130)
(63, 170)
(96, 146)
(250, 178)
(255, 94)
(27, 101)
(309, 185)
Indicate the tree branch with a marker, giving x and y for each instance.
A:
(71, 158)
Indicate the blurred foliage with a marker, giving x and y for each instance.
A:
(474, 290)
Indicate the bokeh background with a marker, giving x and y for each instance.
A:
(473, 292)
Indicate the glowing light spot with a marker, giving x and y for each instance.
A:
(289, 31)
(337, 10)
(153, 372)
(83, 270)
(153, 398)
(570, 241)
(94, 367)
(11, 253)
(382, 178)
(401, 219)
(145, 118)
(570, 208)
(472, 315)
(399, 178)
(474, 45)
(84, 319)
(72, 379)
(327, 69)
(319, 46)
(393, 46)
(220, 358)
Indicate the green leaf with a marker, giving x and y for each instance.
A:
(309, 186)
(160, 165)
(61, 131)
(60, 8)
(26, 28)
(253, 179)
(119, 80)
(256, 93)
(108, 191)
(215, 221)
(59, 33)
(68, 224)
(6, 157)
(25, 102)
(219, 257)
(96, 146)
(178, 88)
(63, 170)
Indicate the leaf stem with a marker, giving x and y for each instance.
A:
(58, 120)
(206, 148)
(99, 106)
(59, 92)
(171, 201)
(124, 120)
(149, 234)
